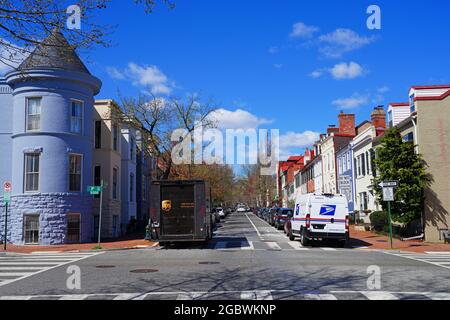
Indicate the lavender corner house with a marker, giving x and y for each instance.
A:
(46, 145)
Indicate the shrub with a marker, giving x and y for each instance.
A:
(378, 220)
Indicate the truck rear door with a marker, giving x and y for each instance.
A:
(328, 216)
(177, 210)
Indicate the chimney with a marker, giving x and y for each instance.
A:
(307, 156)
(347, 124)
(379, 118)
(332, 129)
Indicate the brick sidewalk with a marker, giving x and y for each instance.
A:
(120, 244)
(372, 240)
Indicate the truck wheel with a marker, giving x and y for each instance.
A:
(341, 243)
(291, 236)
(304, 241)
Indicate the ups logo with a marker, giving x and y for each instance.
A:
(166, 205)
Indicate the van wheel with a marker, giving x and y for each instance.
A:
(291, 236)
(341, 243)
(304, 241)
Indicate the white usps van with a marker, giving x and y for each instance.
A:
(320, 217)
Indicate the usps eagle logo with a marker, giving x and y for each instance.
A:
(328, 210)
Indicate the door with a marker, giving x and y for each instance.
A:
(31, 232)
(73, 228)
(177, 210)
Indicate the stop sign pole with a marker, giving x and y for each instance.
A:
(6, 199)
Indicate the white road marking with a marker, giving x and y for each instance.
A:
(424, 258)
(189, 296)
(438, 295)
(18, 268)
(438, 252)
(273, 245)
(310, 296)
(379, 295)
(254, 227)
(74, 297)
(24, 261)
(297, 245)
(263, 295)
(328, 249)
(245, 247)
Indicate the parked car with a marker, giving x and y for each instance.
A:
(216, 215)
(221, 212)
(281, 216)
(270, 217)
(241, 209)
(288, 226)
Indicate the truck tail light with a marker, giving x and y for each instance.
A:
(308, 221)
(347, 220)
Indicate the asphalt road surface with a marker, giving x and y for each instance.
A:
(247, 259)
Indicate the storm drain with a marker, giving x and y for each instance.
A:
(144, 271)
(209, 262)
(105, 267)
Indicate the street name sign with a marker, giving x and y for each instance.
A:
(94, 190)
(389, 184)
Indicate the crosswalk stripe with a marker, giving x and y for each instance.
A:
(328, 249)
(14, 274)
(297, 245)
(74, 297)
(273, 245)
(311, 296)
(189, 296)
(438, 295)
(379, 295)
(18, 268)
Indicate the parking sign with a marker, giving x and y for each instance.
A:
(388, 194)
(7, 186)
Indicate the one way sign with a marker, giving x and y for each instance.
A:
(389, 184)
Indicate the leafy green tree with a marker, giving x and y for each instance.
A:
(396, 160)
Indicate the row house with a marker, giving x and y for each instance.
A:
(425, 121)
(286, 179)
(56, 141)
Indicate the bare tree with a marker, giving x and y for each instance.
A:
(24, 24)
(159, 117)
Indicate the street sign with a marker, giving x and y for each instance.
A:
(388, 194)
(94, 190)
(6, 197)
(389, 184)
(7, 186)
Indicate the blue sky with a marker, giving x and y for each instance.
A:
(290, 65)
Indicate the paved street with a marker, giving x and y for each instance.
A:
(247, 259)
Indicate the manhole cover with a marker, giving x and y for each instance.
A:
(209, 262)
(144, 271)
(105, 267)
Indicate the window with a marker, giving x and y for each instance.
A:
(411, 103)
(73, 228)
(363, 164)
(368, 161)
(31, 172)
(390, 119)
(115, 137)
(355, 168)
(131, 187)
(363, 201)
(76, 117)
(97, 178)
(33, 114)
(131, 148)
(115, 224)
(359, 166)
(98, 135)
(31, 229)
(409, 137)
(75, 162)
(114, 183)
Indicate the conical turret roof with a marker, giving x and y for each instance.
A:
(54, 52)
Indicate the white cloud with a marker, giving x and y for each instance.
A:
(316, 74)
(292, 141)
(278, 65)
(142, 75)
(115, 73)
(301, 30)
(346, 70)
(355, 101)
(383, 89)
(238, 119)
(340, 41)
(273, 50)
